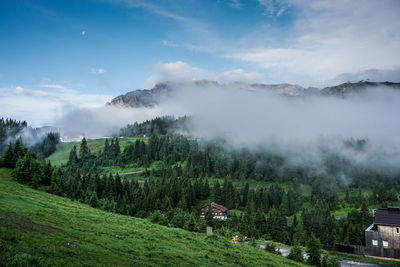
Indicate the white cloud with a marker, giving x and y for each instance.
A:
(274, 7)
(55, 86)
(97, 71)
(41, 107)
(182, 71)
(327, 38)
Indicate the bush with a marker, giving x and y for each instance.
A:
(296, 254)
(330, 262)
(270, 247)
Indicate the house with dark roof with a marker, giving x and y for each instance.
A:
(382, 238)
(219, 211)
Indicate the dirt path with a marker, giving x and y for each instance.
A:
(127, 173)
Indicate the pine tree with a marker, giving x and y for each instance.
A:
(276, 226)
(106, 150)
(299, 235)
(217, 193)
(244, 194)
(93, 200)
(26, 170)
(73, 158)
(314, 251)
(191, 224)
(18, 150)
(117, 149)
(166, 204)
(55, 183)
(84, 151)
(8, 158)
(205, 190)
(260, 222)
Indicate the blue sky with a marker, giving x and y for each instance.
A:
(70, 50)
(43, 40)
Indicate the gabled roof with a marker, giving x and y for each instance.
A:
(387, 216)
(217, 206)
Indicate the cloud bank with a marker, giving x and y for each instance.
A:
(42, 107)
(183, 72)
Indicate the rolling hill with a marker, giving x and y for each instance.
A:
(56, 231)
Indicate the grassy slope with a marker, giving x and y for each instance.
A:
(45, 225)
(62, 153)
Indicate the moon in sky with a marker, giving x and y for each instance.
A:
(83, 33)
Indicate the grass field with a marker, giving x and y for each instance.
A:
(61, 232)
(62, 153)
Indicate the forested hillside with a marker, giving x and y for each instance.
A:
(166, 177)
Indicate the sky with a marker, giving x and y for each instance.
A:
(56, 56)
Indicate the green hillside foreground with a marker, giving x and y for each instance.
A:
(59, 231)
(95, 145)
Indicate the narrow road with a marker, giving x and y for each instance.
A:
(343, 263)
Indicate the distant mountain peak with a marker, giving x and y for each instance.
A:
(347, 88)
(151, 97)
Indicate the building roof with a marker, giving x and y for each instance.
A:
(217, 206)
(387, 216)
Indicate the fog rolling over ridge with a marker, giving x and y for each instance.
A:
(296, 125)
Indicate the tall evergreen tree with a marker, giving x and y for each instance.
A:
(84, 151)
(73, 158)
(8, 158)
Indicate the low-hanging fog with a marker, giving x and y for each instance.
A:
(296, 126)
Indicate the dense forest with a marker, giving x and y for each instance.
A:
(43, 143)
(180, 173)
(9, 128)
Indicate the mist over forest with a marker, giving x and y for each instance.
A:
(298, 127)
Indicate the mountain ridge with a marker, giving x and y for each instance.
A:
(151, 97)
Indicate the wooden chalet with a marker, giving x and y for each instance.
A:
(382, 238)
(219, 211)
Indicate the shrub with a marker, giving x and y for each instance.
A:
(296, 254)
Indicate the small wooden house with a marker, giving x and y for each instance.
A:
(382, 238)
(219, 211)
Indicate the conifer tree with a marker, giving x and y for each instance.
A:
(8, 158)
(84, 149)
(314, 251)
(73, 158)
(191, 224)
(217, 193)
(117, 149)
(299, 235)
(18, 150)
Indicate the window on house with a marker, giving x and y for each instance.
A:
(374, 242)
(397, 230)
(385, 243)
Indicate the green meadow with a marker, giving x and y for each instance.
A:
(59, 232)
(95, 145)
